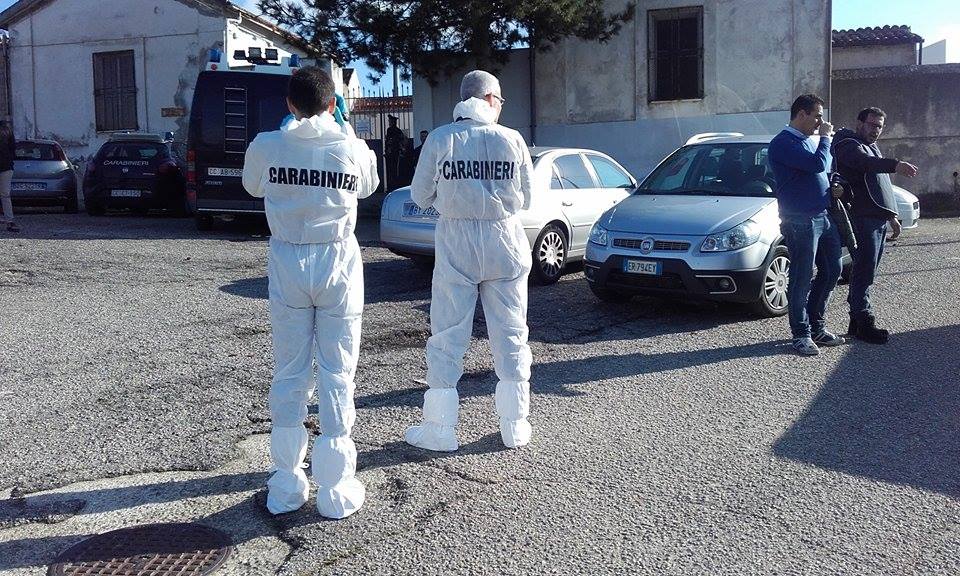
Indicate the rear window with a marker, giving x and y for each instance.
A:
(133, 151)
(28, 151)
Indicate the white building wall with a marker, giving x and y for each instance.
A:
(52, 63)
(595, 95)
(874, 56)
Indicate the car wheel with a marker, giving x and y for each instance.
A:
(608, 295)
(96, 208)
(549, 255)
(204, 221)
(423, 263)
(70, 206)
(773, 290)
(179, 207)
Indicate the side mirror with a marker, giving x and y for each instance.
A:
(168, 136)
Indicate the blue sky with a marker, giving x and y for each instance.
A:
(932, 19)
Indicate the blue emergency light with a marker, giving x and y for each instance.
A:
(294, 60)
(215, 55)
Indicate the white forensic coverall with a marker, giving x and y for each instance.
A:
(477, 174)
(310, 174)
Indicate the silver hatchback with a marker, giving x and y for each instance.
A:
(704, 223)
(42, 175)
(571, 188)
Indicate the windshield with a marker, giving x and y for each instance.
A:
(713, 170)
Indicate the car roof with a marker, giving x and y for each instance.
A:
(730, 139)
(540, 150)
(37, 141)
(136, 137)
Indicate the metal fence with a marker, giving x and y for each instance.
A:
(385, 121)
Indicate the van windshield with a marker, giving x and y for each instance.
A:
(713, 170)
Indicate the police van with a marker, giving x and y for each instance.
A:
(231, 105)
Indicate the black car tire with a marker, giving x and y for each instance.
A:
(550, 247)
(423, 263)
(772, 301)
(204, 221)
(95, 208)
(70, 206)
(608, 295)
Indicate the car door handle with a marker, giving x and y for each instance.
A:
(567, 203)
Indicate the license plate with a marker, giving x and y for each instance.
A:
(232, 172)
(411, 209)
(28, 186)
(125, 193)
(650, 267)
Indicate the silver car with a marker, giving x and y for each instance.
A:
(571, 188)
(42, 175)
(705, 224)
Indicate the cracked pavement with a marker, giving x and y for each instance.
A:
(669, 437)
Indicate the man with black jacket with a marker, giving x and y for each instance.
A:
(873, 210)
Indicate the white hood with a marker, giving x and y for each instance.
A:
(475, 109)
(322, 126)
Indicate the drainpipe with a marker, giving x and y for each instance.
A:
(533, 94)
(919, 53)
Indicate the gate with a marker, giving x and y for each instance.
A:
(385, 122)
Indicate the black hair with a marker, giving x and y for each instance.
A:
(872, 110)
(310, 90)
(805, 102)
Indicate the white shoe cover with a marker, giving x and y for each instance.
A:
(515, 433)
(440, 413)
(334, 463)
(287, 491)
(288, 488)
(341, 500)
(432, 436)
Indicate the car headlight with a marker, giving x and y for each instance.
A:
(733, 239)
(598, 235)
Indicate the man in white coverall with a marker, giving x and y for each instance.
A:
(310, 174)
(477, 175)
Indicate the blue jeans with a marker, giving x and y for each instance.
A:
(810, 239)
(871, 235)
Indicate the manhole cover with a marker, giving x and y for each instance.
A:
(154, 549)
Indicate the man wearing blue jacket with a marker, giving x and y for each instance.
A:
(800, 164)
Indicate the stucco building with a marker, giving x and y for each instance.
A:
(680, 67)
(80, 70)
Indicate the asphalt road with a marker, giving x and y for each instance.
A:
(669, 437)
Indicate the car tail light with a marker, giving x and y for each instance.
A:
(167, 167)
(191, 166)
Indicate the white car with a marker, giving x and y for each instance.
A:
(571, 188)
(703, 224)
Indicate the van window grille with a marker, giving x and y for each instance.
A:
(235, 120)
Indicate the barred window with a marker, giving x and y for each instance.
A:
(675, 53)
(115, 91)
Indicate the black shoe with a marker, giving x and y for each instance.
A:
(867, 331)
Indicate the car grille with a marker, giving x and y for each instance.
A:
(658, 245)
(662, 282)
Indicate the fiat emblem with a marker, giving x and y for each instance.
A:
(646, 245)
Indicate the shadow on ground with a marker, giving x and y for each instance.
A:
(890, 413)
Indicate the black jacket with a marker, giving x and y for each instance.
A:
(867, 171)
(8, 148)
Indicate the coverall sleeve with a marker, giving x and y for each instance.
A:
(254, 163)
(526, 174)
(850, 153)
(791, 152)
(367, 160)
(423, 188)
